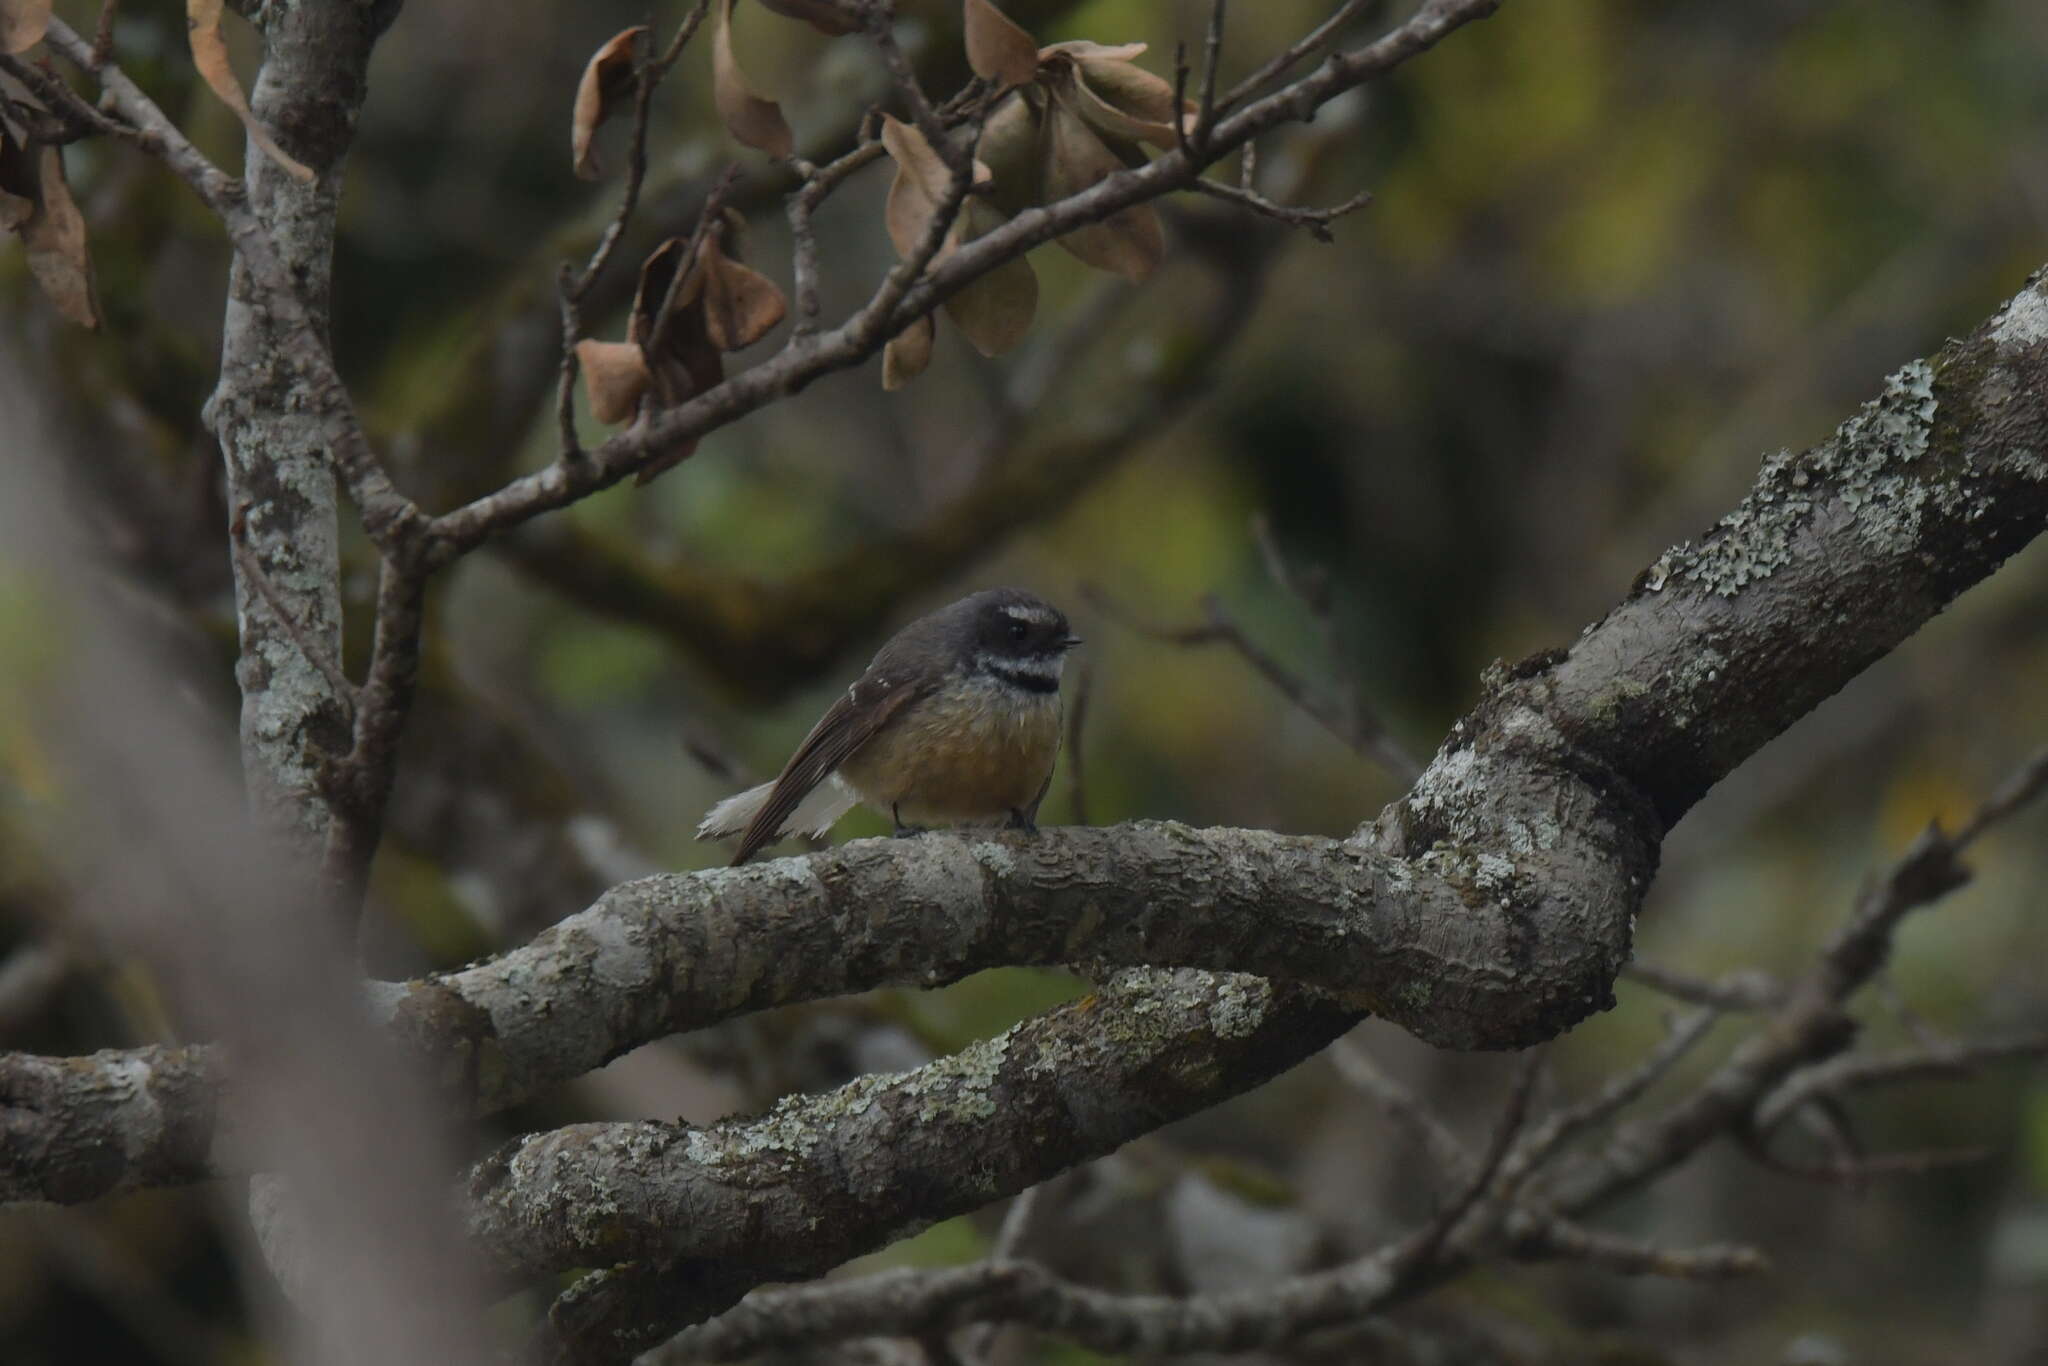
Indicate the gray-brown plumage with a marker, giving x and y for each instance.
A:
(956, 722)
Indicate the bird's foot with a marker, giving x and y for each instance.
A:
(902, 831)
(1021, 820)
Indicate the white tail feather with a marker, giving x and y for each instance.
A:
(818, 812)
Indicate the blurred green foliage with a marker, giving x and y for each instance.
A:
(1618, 250)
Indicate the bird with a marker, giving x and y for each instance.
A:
(955, 722)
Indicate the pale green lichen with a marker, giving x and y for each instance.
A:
(958, 1087)
(1493, 874)
(994, 857)
(1866, 466)
(2023, 321)
(1240, 1006)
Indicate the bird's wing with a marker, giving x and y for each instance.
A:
(849, 723)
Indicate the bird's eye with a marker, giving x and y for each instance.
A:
(1017, 630)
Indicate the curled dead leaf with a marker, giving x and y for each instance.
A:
(53, 231)
(607, 78)
(907, 354)
(997, 49)
(995, 310)
(752, 120)
(741, 305)
(210, 56)
(1125, 101)
(920, 186)
(614, 377)
(1130, 242)
(22, 23)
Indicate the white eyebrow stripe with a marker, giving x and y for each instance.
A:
(1038, 666)
(1038, 616)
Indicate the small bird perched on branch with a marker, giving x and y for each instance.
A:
(956, 722)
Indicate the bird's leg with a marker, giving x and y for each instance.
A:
(1020, 819)
(902, 831)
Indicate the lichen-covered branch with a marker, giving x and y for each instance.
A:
(824, 1173)
(75, 1129)
(1491, 906)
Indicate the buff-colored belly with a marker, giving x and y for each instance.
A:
(971, 758)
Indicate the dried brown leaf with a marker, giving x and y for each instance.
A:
(826, 18)
(54, 235)
(1129, 242)
(741, 305)
(210, 55)
(919, 187)
(907, 354)
(607, 78)
(1010, 147)
(689, 364)
(1084, 51)
(22, 23)
(997, 49)
(614, 377)
(995, 311)
(1129, 102)
(655, 273)
(751, 120)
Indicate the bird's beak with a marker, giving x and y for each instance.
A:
(1070, 642)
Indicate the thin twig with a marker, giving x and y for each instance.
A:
(1285, 60)
(1632, 1257)
(881, 26)
(316, 655)
(1738, 991)
(2026, 783)
(1358, 1067)
(908, 295)
(1317, 221)
(976, 1344)
(1220, 628)
(382, 706)
(103, 34)
(1212, 57)
(1479, 1189)
(392, 520)
(1808, 1025)
(1560, 1126)
(1077, 769)
(1863, 1071)
(819, 182)
(709, 220)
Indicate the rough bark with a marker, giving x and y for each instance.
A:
(1541, 814)
(75, 1129)
(277, 448)
(1489, 907)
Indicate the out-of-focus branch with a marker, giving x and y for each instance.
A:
(1008, 1291)
(1763, 1080)
(768, 637)
(1349, 719)
(76, 1129)
(1924, 492)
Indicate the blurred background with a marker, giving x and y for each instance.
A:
(1618, 251)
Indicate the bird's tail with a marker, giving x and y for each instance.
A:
(820, 809)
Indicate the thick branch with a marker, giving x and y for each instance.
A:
(1532, 834)
(75, 1129)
